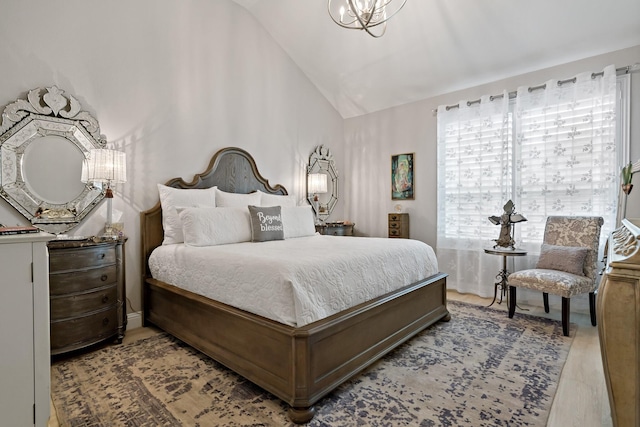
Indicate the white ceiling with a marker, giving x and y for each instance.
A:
(433, 47)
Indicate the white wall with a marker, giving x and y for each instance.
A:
(171, 82)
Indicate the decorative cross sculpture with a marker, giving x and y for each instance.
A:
(506, 220)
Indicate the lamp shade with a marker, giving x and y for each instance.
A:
(317, 183)
(104, 165)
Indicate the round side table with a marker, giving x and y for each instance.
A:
(503, 275)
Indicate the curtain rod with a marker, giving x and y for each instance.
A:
(619, 72)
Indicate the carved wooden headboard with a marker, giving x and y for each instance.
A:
(231, 169)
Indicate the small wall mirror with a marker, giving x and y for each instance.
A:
(43, 142)
(322, 182)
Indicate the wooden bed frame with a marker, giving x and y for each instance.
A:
(299, 365)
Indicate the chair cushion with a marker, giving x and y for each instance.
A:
(569, 259)
(552, 281)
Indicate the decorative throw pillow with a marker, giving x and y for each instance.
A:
(276, 200)
(266, 223)
(298, 221)
(224, 199)
(215, 226)
(172, 198)
(569, 259)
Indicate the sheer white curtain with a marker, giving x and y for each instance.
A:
(475, 159)
(553, 152)
(566, 153)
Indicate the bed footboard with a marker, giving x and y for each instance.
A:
(298, 365)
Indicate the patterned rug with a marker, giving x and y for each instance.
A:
(479, 369)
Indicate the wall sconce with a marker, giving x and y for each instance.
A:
(106, 167)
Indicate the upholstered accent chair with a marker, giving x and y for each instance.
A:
(567, 265)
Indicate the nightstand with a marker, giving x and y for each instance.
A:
(399, 225)
(335, 229)
(87, 293)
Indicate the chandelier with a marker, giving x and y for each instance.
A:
(364, 14)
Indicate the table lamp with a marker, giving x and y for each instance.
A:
(316, 184)
(106, 167)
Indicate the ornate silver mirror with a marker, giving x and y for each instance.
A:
(322, 182)
(43, 143)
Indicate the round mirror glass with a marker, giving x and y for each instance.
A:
(51, 168)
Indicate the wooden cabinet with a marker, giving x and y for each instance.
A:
(618, 313)
(399, 225)
(335, 229)
(87, 293)
(24, 330)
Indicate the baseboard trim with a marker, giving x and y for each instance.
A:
(134, 320)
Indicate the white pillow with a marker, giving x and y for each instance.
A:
(172, 198)
(215, 226)
(277, 200)
(224, 199)
(298, 221)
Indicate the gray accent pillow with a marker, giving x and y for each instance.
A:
(569, 259)
(266, 223)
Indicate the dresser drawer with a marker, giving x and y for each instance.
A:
(79, 281)
(395, 224)
(395, 217)
(82, 331)
(77, 259)
(393, 232)
(80, 304)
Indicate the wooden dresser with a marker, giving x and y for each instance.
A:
(24, 330)
(399, 225)
(618, 312)
(87, 293)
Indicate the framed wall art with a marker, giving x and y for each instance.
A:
(402, 178)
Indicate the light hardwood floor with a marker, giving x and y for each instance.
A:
(581, 399)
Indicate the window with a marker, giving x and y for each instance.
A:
(551, 149)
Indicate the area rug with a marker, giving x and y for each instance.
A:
(479, 369)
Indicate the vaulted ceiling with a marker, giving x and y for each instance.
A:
(432, 47)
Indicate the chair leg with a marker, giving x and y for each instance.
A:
(545, 298)
(592, 308)
(512, 301)
(565, 315)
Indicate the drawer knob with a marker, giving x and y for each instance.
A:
(105, 321)
(104, 277)
(105, 299)
(102, 255)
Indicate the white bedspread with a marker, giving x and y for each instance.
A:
(295, 281)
